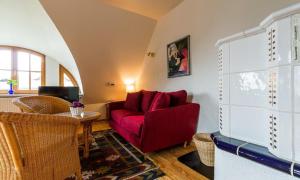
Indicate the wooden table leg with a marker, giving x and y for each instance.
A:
(86, 135)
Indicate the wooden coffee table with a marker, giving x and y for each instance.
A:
(86, 119)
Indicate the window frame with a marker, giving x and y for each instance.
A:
(14, 70)
(62, 71)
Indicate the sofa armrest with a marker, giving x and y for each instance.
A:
(170, 126)
(113, 106)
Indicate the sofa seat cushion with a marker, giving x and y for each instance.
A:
(118, 115)
(133, 124)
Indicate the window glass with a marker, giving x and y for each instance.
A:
(35, 63)
(5, 59)
(4, 76)
(35, 80)
(67, 81)
(23, 80)
(23, 65)
(23, 61)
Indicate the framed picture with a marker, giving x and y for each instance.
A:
(178, 56)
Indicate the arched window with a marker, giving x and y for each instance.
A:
(66, 78)
(25, 66)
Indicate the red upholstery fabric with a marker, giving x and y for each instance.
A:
(178, 97)
(114, 106)
(160, 101)
(147, 97)
(157, 129)
(167, 127)
(133, 101)
(133, 124)
(130, 137)
(118, 115)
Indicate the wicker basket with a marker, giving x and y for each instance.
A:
(205, 147)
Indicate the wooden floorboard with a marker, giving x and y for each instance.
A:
(167, 159)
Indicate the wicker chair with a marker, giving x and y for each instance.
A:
(42, 104)
(37, 146)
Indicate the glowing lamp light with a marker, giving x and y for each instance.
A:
(130, 85)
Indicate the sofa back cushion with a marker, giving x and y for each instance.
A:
(147, 98)
(160, 101)
(133, 101)
(178, 97)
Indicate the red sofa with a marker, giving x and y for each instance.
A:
(154, 130)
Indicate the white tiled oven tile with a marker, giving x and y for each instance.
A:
(224, 120)
(280, 134)
(248, 54)
(249, 89)
(249, 124)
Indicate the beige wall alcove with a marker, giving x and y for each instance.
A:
(108, 44)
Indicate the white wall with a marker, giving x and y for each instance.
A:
(206, 22)
(52, 72)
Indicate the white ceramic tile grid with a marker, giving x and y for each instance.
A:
(220, 69)
(220, 60)
(221, 89)
(224, 120)
(249, 124)
(297, 89)
(248, 54)
(296, 38)
(279, 36)
(280, 134)
(297, 137)
(271, 40)
(226, 57)
(273, 135)
(279, 88)
(226, 89)
(249, 89)
(271, 92)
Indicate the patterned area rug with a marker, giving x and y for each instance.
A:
(112, 158)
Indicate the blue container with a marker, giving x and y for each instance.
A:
(11, 91)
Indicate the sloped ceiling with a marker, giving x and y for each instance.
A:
(150, 8)
(108, 43)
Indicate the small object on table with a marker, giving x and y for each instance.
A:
(11, 84)
(76, 108)
(86, 119)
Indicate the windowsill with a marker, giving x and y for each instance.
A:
(15, 95)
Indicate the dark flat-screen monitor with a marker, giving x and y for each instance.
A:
(68, 93)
